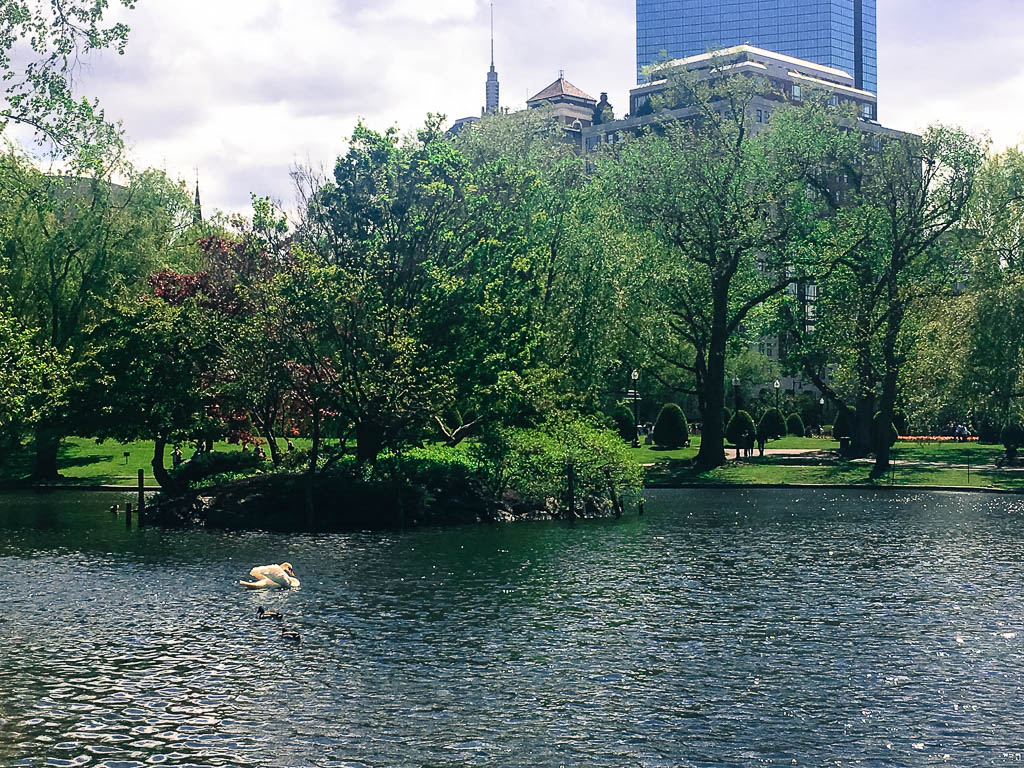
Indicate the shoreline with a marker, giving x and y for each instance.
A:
(154, 489)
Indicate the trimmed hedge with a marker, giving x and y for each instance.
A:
(772, 427)
(671, 429)
(1012, 436)
(795, 425)
(741, 425)
(625, 423)
(844, 423)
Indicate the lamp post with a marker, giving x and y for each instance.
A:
(636, 409)
(778, 388)
(736, 393)
(821, 417)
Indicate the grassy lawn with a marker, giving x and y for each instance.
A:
(85, 461)
(949, 453)
(648, 454)
(835, 473)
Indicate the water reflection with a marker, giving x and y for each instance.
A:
(723, 628)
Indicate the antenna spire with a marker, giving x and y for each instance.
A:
(492, 92)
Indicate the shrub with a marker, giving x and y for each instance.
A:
(671, 429)
(883, 434)
(772, 427)
(844, 423)
(1012, 436)
(532, 462)
(207, 465)
(740, 426)
(795, 425)
(726, 416)
(625, 423)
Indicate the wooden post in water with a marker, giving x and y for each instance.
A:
(571, 472)
(142, 496)
(611, 492)
(128, 516)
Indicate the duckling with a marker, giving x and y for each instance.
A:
(114, 508)
(263, 613)
(291, 636)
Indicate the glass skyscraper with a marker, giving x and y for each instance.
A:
(835, 33)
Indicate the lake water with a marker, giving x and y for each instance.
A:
(740, 628)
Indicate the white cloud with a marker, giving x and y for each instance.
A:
(245, 88)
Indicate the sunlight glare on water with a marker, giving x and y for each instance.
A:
(720, 629)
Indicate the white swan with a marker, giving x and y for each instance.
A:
(271, 577)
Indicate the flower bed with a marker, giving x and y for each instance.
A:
(935, 439)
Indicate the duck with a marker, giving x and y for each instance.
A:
(272, 577)
(263, 613)
(291, 636)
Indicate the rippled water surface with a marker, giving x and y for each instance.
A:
(721, 629)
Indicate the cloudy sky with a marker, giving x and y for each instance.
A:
(246, 89)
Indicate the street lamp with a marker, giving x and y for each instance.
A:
(636, 409)
(735, 393)
(778, 388)
(821, 418)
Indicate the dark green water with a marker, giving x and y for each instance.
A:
(721, 629)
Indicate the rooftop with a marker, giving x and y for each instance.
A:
(561, 89)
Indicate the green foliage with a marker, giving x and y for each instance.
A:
(41, 46)
(671, 429)
(884, 434)
(532, 463)
(772, 425)
(741, 428)
(696, 191)
(204, 466)
(625, 423)
(795, 425)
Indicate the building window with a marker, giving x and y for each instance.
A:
(798, 93)
(867, 111)
(833, 101)
(760, 116)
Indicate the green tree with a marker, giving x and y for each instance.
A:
(700, 190)
(72, 248)
(991, 328)
(41, 46)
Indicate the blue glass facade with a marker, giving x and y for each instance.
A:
(836, 33)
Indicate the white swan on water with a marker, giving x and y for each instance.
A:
(272, 577)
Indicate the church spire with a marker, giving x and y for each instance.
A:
(197, 211)
(493, 89)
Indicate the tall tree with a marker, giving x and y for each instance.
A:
(728, 222)
(42, 43)
(71, 248)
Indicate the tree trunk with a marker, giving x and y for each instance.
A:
(160, 473)
(865, 415)
(314, 460)
(712, 440)
(887, 407)
(48, 442)
(369, 441)
(266, 424)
